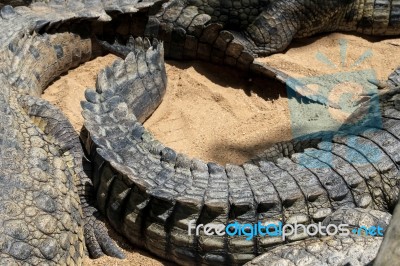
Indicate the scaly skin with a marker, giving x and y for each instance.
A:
(261, 26)
(46, 212)
(147, 191)
(150, 193)
(42, 220)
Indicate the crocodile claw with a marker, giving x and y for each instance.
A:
(98, 242)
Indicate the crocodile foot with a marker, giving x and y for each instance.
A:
(98, 242)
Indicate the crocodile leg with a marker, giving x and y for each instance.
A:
(273, 30)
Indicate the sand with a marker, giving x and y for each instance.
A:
(67, 91)
(304, 56)
(218, 114)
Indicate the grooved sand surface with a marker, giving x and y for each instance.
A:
(217, 114)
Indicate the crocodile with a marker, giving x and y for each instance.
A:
(152, 194)
(46, 211)
(147, 191)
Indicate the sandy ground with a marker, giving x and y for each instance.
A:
(322, 55)
(218, 114)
